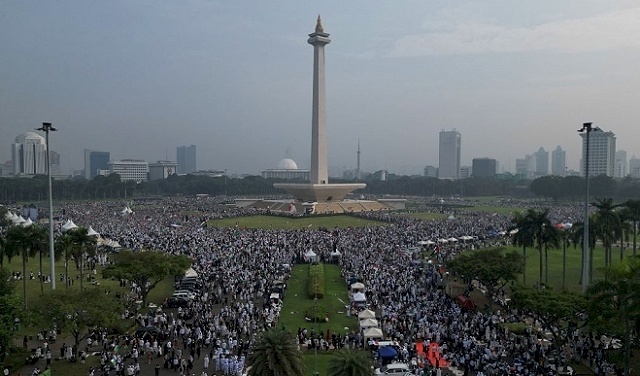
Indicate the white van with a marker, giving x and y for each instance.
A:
(396, 369)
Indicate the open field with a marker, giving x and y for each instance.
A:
(266, 222)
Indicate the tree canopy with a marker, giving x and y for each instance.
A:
(275, 353)
(492, 267)
(146, 269)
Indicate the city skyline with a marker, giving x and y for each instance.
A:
(137, 79)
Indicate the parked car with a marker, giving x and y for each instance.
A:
(149, 332)
(396, 369)
(176, 302)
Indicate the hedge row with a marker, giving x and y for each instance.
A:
(316, 281)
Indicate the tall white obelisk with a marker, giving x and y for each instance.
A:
(319, 172)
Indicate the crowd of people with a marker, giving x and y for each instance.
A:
(237, 266)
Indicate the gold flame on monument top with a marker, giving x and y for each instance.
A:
(319, 28)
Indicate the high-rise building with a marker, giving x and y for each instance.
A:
(186, 157)
(602, 152)
(449, 155)
(542, 162)
(130, 169)
(634, 167)
(559, 162)
(620, 169)
(483, 167)
(29, 154)
(161, 170)
(525, 167)
(95, 161)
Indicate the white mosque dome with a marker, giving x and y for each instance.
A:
(287, 164)
(30, 138)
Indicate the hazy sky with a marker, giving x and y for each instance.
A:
(139, 78)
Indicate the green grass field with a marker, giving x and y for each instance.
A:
(266, 222)
(297, 300)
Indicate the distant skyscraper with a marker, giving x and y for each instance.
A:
(559, 162)
(431, 172)
(620, 167)
(634, 167)
(94, 161)
(29, 154)
(602, 152)
(130, 169)
(484, 167)
(542, 162)
(449, 155)
(186, 157)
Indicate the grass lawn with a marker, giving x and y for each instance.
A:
(266, 222)
(573, 268)
(297, 301)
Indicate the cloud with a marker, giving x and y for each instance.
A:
(607, 31)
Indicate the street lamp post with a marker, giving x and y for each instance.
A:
(586, 128)
(46, 128)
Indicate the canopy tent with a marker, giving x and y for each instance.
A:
(357, 287)
(451, 217)
(92, 232)
(126, 211)
(190, 273)
(453, 240)
(358, 297)
(336, 253)
(387, 353)
(443, 241)
(369, 323)
(310, 256)
(373, 333)
(109, 243)
(366, 314)
(426, 242)
(69, 225)
(27, 223)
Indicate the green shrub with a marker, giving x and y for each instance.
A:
(316, 314)
(316, 281)
(517, 328)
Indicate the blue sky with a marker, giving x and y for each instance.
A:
(139, 78)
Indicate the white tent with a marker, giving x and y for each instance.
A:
(336, 253)
(69, 225)
(359, 297)
(373, 333)
(190, 273)
(27, 223)
(443, 241)
(126, 211)
(366, 314)
(368, 323)
(18, 221)
(426, 242)
(453, 240)
(92, 232)
(310, 256)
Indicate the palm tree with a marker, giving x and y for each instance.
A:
(607, 224)
(64, 246)
(633, 214)
(614, 302)
(83, 243)
(348, 362)
(19, 242)
(537, 227)
(521, 236)
(275, 353)
(38, 240)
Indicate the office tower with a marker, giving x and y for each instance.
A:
(94, 162)
(634, 167)
(542, 162)
(431, 172)
(162, 170)
(186, 157)
(559, 162)
(29, 154)
(620, 166)
(483, 167)
(602, 152)
(449, 155)
(130, 169)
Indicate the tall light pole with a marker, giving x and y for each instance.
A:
(46, 128)
(586, 128)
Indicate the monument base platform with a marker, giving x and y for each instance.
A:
(320, 193)
(297, 208)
